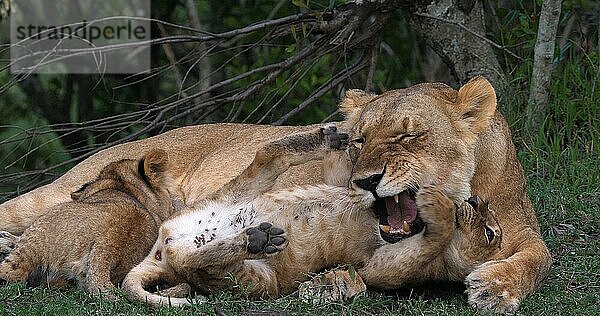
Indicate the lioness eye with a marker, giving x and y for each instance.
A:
(410, 136)
(489, 234)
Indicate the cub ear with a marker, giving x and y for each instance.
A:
(77, 195)
(476, 104)
(154, 165)
(352, 104)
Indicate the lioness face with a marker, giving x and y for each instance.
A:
(405, 139)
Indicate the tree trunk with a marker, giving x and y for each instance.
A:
(542, 61)
(455, 30)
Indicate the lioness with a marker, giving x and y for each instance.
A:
(98, 237)
(427, 133)
(432, 133)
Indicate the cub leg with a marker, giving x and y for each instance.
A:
(405, 260)
(97, 279)
(337, 168)
(213, 263)
(276, 157)
(253, 243)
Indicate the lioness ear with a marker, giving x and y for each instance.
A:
(154, 165)
(476, 104)
(352, 104)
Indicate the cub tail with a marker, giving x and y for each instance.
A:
(151, 272)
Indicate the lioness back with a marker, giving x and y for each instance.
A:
(197, 156)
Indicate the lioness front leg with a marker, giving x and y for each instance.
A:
(406, 261)
(278, 156)
(500, 285)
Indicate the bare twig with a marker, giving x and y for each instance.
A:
(359, 65)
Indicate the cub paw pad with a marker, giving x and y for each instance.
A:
(335, 140)
(265, 238)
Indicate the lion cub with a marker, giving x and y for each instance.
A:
(97, 238)
(476, 240)
(231, 232)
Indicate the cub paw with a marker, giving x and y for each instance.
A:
(335, 140)
(265, 238)
(434, 205)
(8, 242)
(494, 286)
(11, 271)
(333, 286)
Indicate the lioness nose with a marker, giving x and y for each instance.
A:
(370, 183)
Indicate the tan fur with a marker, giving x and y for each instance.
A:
(97, 238)
(470, 246)
(457, 244)
(431, 134)
(467, 149)
(324, 225)
(335, 285)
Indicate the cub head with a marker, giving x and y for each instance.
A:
(478, 233)
(405, 139)
(150, 176)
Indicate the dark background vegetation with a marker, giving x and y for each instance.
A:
(50, 122)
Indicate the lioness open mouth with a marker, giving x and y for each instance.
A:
(398, 216)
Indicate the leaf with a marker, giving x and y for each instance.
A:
(291, 48)
(352, 273)
(293, 30)
(300, 3)
(323, 279)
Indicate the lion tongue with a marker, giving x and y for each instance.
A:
(404, 210)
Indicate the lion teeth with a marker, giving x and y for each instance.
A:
(405, 227)
(385, 228)
(396, 198)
